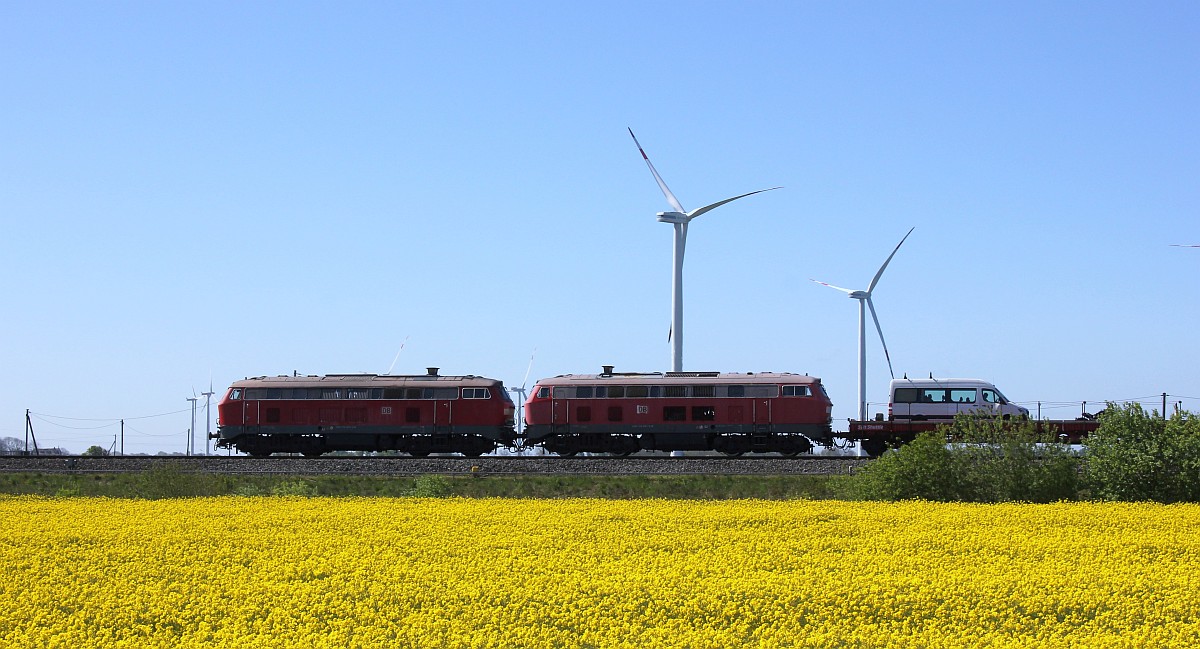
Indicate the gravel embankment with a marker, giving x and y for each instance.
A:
(440, 465)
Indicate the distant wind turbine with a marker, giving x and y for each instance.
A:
(393, 365)
(680, 219)
(864, 303)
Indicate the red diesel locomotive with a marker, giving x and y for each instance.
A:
(622, 413)
(418, 415)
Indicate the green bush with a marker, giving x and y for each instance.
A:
(1139, 456)
(986, 460)
(430, 486)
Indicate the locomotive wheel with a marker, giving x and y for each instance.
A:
(733, 453)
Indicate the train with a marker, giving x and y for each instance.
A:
(611, 412)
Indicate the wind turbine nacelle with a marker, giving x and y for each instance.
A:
(859, 295)
(673, 217)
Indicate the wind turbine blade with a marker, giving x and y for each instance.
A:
(874, 317)
(1184, 245)
(697, 212)
(528, 370)
(875, 281)
(397, 355)
(836, 288)
(661, 185)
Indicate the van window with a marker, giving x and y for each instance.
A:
(906, 395)
(991, 396)
(933, 396)
(962, 395)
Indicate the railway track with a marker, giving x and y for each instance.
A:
(403, 466)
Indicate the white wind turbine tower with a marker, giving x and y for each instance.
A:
(680, 219)
(864, 303)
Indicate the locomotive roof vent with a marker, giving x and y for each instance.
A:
(606, 370)
(431, 371)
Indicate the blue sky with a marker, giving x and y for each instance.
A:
(210, 190)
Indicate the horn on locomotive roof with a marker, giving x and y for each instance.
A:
(431, 371)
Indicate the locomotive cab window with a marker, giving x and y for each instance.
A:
(796, 391)
(476, 393)
(543, 393)
(235, 394)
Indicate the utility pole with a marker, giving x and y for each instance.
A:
(192, 430)
(122, 437)
(29, 433)
(1164, 410)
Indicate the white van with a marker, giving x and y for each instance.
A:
(922, 399)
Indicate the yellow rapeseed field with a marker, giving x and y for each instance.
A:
(326, 572)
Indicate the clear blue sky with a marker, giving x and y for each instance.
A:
(196, 190)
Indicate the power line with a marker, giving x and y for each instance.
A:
(52, 423)
(109, 419)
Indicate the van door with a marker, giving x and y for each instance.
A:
(964, 399)
(991, 400)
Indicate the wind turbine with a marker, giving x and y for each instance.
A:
(680, 219)
(520, 424)
(864, 303)
(208, 416)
